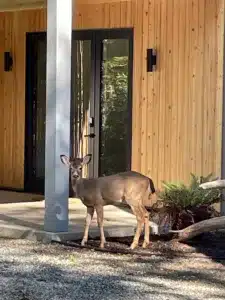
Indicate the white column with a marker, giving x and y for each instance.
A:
(59, 36)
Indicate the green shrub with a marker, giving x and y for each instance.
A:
(181, 196)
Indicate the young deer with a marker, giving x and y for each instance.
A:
(129, 187)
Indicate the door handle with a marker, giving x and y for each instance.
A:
(91, 135)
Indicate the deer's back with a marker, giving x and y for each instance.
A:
(127, 186)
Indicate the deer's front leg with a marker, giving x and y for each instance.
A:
(99, 211)
(90, 213)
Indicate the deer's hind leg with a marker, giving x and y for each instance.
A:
(89, 216)
(139, 213)
(147, 232)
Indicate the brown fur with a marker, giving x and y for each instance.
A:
(129, 187)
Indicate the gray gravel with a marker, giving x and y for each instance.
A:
(31, 271)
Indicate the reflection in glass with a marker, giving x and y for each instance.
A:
(114, 114)
(39, 156)
(81, 84)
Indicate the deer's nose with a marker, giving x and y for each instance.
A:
(75, 175)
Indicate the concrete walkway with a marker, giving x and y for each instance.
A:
(16, 197)
(22, 219)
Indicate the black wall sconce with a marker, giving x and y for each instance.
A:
(151, 60)
(8, 62)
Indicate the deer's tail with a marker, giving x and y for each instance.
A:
(151, 185)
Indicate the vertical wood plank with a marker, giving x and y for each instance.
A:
(186, 97)
(123, 14)
(208, 101)
(106, 12)
(219, 84)
(144, 89)
(19, 113)
(137, 83)
(198, 92)
(181, 89)
(162, 95)
(174, 91)
(8, 105)
(168, 99)
(193, 33)
(150, 117)
(2, 47)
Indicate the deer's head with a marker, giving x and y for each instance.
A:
(75, 164)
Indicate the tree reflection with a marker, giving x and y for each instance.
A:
(114, 107)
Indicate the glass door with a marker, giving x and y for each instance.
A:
(115, 112)
(81, 82)
(101, 101)
(35, 113)
(81, 99)
(113, 101)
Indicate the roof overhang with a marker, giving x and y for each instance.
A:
(12, 5)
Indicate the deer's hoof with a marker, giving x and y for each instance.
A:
(83, 243)
(102, 246)
(133, 246)
(145, 245)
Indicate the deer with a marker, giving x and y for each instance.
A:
(128, 187)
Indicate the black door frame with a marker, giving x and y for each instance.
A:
(96, 37)
(100, 36)
(30, 108)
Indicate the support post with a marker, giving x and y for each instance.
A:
(58, 95)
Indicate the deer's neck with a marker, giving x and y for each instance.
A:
(76, 183)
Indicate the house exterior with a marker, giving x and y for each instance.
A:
(171, 119)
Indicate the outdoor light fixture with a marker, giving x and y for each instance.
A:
(8, 62)
(151, 60)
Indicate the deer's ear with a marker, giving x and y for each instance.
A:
(65, 160)
(86, 159)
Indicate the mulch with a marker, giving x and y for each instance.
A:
(207, 245)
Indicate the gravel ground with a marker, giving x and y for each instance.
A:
(31, 271)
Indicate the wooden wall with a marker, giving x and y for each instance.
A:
(177, 110)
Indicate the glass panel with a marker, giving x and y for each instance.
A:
(114, 122)
(81, 87)
(81, 83)
(40, 111)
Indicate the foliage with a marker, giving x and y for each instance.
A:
(181, 196)
(114, 112)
